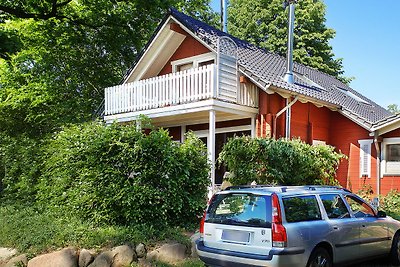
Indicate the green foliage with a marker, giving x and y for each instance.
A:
(264, 23)
(19, 168)
(394, 108)
(121, 176)
(285, 162)
(33, 230)
(56, 57)
(391, 204)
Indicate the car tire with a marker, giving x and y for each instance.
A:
(320, 258)
(395, 251)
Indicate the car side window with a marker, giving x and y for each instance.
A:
(301, 208)
(360, 208)
(334, 206)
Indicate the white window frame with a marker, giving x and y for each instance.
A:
(196, 60)
(365, 170)
(385, 143)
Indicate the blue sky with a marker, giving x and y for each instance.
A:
(368, 40)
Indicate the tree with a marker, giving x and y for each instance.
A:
(264, 23)
(394, 108)
(56, 56)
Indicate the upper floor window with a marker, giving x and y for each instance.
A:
(391, 156)
(193, 62)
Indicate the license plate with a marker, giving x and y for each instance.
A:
(235, 236)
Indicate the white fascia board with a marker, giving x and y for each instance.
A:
(387, 127)
(204, 105)
(138, 63)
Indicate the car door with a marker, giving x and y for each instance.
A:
(344, 231)
(374, 235)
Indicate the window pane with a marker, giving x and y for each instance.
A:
(335, 207)
(209, 62)
(301, 209)
(185, 66)
(360, 208)
(393, 152)
(240, 209)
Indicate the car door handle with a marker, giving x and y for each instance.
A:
(363, 225)
(335, 227)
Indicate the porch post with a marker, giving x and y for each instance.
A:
(253, 127)
(183, 131)
(211, 146)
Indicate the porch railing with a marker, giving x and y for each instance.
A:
(186, 86)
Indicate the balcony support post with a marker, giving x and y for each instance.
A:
(183, 131)
(253, 127)
(211, 146)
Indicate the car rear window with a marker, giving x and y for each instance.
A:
(240, 209)
(301, 208)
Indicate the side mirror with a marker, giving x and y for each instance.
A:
(381, 214)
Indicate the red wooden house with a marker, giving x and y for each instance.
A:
(193, 77)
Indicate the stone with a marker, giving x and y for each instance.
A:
(105, 259)
(193, 239)
(141, 250)
(169, 253)
(6, 253)
(17, 261)
(85, 258)
(66, 257)
(124, 256)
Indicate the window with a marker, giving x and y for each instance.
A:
(240, 209)
(303, 208)
(360, 208)
(335, 207)
(365, 157)
(391, 156)
(193, 62)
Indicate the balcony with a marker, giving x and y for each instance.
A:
(176, 89)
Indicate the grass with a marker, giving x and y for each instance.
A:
(33, 230)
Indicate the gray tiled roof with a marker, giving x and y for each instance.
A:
(268, 69)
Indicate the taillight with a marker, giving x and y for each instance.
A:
(204, 216)
(202, 223)
(279, 236)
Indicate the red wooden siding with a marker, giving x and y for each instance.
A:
(190, 47)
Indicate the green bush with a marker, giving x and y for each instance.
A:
(285, 162)
(391, 204)
(119, 175)
(19, 168)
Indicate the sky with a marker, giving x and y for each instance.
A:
(368, 40)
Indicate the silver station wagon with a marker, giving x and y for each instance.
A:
(294, 226)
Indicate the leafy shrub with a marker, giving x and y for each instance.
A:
(286, 162)
(391, 204)
(19, 168)
(119, 175)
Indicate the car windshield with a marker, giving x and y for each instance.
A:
(240, 209)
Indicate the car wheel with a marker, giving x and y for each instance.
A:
(395, 252)
(320, 258)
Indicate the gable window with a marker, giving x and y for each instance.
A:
(193, 62)
(391, 156)
(365, 157)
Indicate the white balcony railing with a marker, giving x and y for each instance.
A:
(172, 89)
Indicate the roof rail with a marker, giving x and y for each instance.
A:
(286, 188)
(234, 187)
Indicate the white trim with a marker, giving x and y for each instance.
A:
(365, 157)
(195, 60)
(211, 145)
(241, 128)
(388, 141)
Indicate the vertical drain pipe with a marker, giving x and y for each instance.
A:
(378, 164)
(288, 77)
